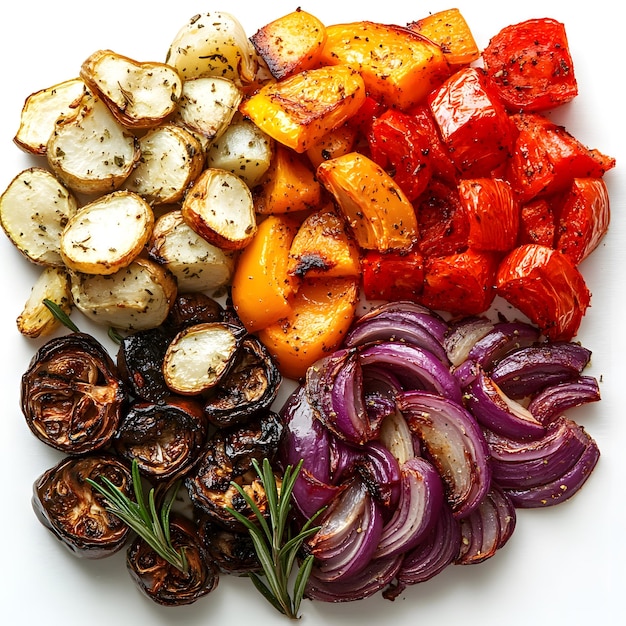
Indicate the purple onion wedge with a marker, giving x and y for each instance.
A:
(454, 443)
(463, 335)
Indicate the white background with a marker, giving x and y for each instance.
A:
(564, 565)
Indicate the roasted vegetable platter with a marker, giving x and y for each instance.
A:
(564, 564)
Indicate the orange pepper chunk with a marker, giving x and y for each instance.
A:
(322, 312)
(399, 66)
(380, 215)
(261, 287)
(298, 111)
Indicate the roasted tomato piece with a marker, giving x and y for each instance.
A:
(474, 125)
(546, 287)
(72, 394)
(228, 457)
(537, 222)
(546, 158)
(392, 275)
(162, 582)
(398, 144)
(250, 386)
(584, 218)
(462, 284)
(233, 552)
(492, 211)
(164, 437)
(530, 65)
(443, 225)
(74, 512)
(140, 363)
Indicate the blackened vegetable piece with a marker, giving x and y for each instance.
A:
(165, 438)
(192, 308)
(140, 361)
(250, 386)
(72, 394)
(162, 582)
(228, 457)
(66, 504)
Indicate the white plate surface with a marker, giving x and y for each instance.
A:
(564, 565)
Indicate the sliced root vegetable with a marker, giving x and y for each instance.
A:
(43, 109)
(321, 314)
(136, 297)
(219, 207)
(198, 357)
(139, 94)
(34, 210)
(379, 214)
(107, 234)
(36, 319)
(298, 111)
(262, 287)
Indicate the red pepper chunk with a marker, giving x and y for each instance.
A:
(473, 123)
(530, 66)
(537, 223)
(392, 275)
(546, 287)
(492, 211)
(584, 219)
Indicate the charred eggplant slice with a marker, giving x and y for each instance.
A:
(250, 386)
(72, 394)
(162, 582)
(228, 457)
(67, 505)
(166, 437)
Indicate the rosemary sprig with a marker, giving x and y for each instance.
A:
(143, 518)
(275, 546)
(60, 314)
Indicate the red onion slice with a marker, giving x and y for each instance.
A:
(463, 335)
(421, 499)
(454, 443)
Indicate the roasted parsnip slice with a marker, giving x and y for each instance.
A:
(136, 297)
(291, 43)
(243, 149)
(91, 151)
(298, 111)
(219, 207)
(200, 355)
(171, 159)
(34, 210)
(36, 319)
(213, 44)
(207, 105)
(139, 94)
(107, 234)
(196, 264)
(43, 109)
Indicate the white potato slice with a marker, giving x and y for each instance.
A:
(198, 357)
(107, 234)
(36, 319)
(243, 149)
(213, 44)
(207, 105)
(171, 159)
(139, 94)
(92, 152)
(196, 264)
(34, 210)
(136, 297)
(219, 207)
(43, 109)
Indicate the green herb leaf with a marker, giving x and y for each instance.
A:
(61, 315)
(152, 527)
(276, 549)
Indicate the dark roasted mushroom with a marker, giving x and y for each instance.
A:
(72, 394)
(250, 386)
(75, 513)
(192, 308)
(162, 582)
(228, 457)
(166, 438)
